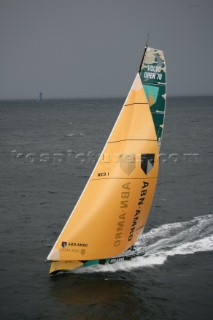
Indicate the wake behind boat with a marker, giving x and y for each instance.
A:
(114, 206)
(68, 266)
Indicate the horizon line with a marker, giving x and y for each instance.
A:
(99, 98)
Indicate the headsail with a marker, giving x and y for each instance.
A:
(114, 205)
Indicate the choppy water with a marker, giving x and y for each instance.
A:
(47, 153)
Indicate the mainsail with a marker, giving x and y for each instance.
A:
(114, 206)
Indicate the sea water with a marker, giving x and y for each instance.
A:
(48, 151)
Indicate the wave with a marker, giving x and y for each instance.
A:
(75, 134)
(179, 238)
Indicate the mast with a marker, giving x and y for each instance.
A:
(146, 46)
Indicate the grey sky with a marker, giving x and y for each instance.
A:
(92, 48)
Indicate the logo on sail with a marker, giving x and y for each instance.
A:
(63, 244)
(127, 162)
(147, 162)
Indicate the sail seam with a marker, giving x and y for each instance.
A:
(123, 178)
(132, 104)
(155, 84)
(140, 139)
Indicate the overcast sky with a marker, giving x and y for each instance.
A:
(92, 48)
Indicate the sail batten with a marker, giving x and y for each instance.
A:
(115, 203)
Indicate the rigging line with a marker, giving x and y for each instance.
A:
(140, 67)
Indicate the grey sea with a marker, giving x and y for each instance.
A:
(47, 152)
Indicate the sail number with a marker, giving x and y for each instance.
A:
(103, 174)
